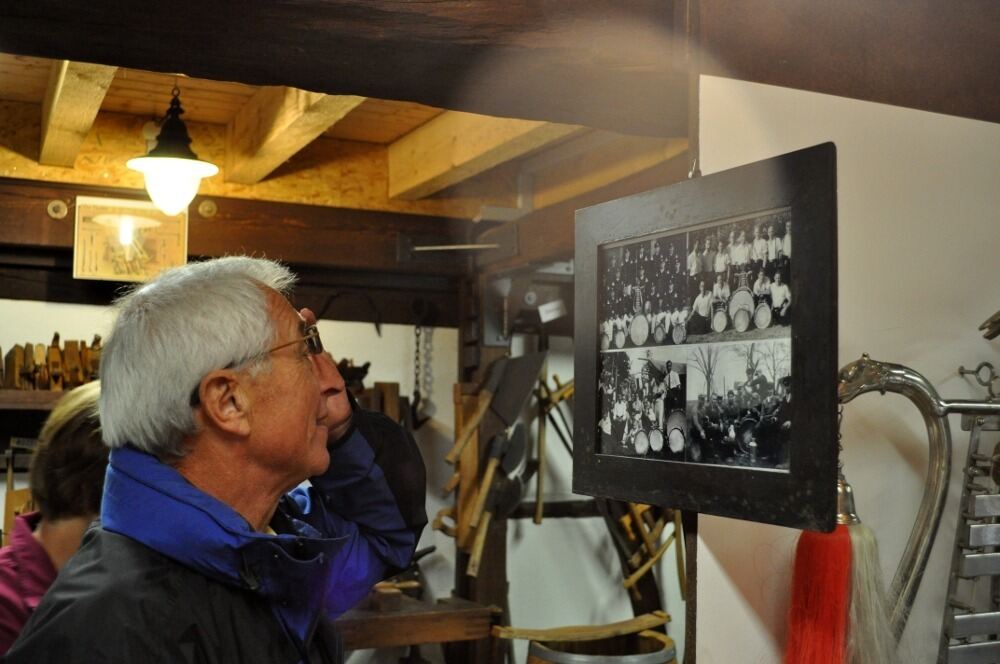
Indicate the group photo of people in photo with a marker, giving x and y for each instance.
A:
(724, 282)
(644, 294)
(642, 397)
(739, 279)
(695, 344)
(739, 404)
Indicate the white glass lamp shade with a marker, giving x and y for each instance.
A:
(172, 182)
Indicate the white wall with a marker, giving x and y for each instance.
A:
(919, 233)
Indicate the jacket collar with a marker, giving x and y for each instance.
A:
(150, 502)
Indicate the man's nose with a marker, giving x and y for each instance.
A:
(327, 373)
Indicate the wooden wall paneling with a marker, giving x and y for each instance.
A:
(47, 275)
(298, 234)
(567, 62)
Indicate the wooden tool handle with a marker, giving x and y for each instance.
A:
(470, 428)
(398, 585)
(451, 484)
(643, 533)
(584, 632)
(439, 524)
(477, 546)
(484, 491)
(646, 566)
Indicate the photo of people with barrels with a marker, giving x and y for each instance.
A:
(739, 279)
(644, 291)
(739, 403)
(642, 402)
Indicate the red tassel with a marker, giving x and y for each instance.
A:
(817, 617)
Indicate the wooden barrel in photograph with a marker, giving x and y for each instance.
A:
(643, 648)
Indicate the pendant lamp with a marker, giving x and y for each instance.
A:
(172, 170)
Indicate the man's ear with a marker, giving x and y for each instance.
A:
(224, 404)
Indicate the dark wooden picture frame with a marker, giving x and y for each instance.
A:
(799, 490)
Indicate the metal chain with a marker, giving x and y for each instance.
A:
(416, 359)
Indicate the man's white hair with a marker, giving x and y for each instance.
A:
(170, 333)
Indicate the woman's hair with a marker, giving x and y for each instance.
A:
(67, 469)
(170, 333)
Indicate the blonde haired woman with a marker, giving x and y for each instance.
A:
(66, 480)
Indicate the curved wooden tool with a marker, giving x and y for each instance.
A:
(439, 524)
(450, 485)
(584, 632)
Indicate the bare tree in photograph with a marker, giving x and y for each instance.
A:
(776, 360)
(751, 354)
(706, 359)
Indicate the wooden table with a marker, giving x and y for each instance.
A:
(416, 622)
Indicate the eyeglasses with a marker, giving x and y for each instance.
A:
(310, 335)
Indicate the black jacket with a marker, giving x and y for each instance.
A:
(173, 575)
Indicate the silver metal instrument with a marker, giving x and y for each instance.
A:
(868, 375)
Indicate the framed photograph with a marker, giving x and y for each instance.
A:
(126, 240)
(694, 328)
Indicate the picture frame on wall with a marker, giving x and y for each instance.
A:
(705, 354)
(121, 239)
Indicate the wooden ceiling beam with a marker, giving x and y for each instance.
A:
(274, 124)
(456, 146)
(931, 55)
(73, 98)
(601, 159)
(547, 235)
(327, 172)
(612, 64)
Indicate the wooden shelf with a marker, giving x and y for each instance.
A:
(41, 400)
(414, 623)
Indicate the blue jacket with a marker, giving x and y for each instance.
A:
(354, 525)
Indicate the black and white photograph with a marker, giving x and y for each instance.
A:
(644, 293)
(739, 278)
(729, 341)
(739, 403)
(643, 396)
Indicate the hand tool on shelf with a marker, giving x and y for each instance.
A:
(507, 452)
(503, 497)
(28, 368)
(512, 382)
(485, 397)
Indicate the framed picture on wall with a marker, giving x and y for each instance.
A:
(120, 239)
(706, 348)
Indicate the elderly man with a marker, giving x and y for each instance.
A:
(217, 401)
